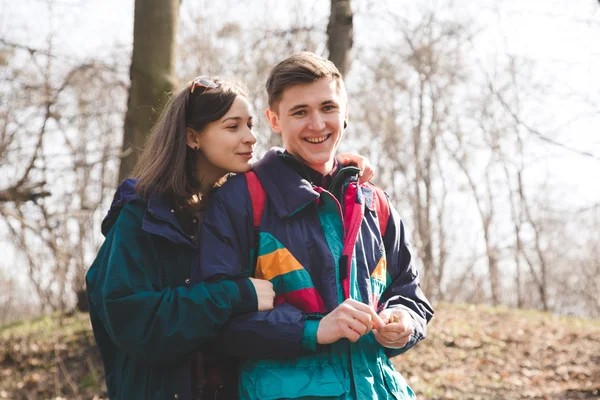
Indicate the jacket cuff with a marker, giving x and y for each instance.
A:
(394, 352)
(248, 298)
(309, 335)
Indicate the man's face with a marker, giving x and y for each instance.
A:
(310, 117)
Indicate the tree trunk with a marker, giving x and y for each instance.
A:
(152, 73)
(340, 34)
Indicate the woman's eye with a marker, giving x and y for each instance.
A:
(232, 127)
(250, 126)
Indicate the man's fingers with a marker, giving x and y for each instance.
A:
(366, 176)
(398, 328)
(356, 320)
(392, 336)
(365, 308)
(381, 338)
(360, 326)
(350, 334)
(385, 314)
(363, 313)
(343, 159)
(362, 318)
(385, 341)
(388, 336)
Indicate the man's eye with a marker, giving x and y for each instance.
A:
(300, 113)
(329, 108)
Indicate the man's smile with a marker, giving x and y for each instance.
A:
(318, 139)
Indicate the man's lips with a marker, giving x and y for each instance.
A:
(317, 140)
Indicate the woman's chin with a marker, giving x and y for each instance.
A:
(240, 169)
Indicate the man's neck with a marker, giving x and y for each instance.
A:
(316, 177)
(323, 169)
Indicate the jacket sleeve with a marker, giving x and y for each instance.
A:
(404, 291)
(142, 319)
(227, 242)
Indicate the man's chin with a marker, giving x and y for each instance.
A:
(321, 165)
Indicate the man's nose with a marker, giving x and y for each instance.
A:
(316, 123)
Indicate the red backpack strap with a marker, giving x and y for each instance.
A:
(257, 195)
(382, 208)
(258, 198)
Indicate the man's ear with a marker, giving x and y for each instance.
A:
(346, 114)
(273, 120)
(192, 138)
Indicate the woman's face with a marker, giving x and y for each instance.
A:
(226, 145)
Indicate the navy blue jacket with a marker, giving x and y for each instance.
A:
(318, 247)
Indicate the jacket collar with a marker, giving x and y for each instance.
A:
(159, 218)
(287, 190)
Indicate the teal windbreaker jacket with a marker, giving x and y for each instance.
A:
(149, 312)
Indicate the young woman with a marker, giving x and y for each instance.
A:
(150, 315)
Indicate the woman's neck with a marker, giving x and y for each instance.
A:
(207, 175)
(206, 186)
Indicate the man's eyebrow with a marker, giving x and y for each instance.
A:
(300, 106)
(297, 107)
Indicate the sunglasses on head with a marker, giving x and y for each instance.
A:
(203, 83)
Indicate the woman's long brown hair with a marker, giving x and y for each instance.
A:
(166, 166)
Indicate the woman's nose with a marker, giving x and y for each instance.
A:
(250, 137)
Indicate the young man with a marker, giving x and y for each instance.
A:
(348, 296)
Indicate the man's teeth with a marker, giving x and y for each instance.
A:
(317, 140)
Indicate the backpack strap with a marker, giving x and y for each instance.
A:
(257, 195)
(258, 198)
(382, 208)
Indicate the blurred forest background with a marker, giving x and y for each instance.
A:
(481, 117)
(483, 133)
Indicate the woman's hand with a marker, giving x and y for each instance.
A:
(264, 293)
(366, 169)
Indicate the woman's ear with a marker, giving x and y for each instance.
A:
(192, 138)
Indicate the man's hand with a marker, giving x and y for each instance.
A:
(366, 169)
(349, 320)
(264, 293)
(396, 334)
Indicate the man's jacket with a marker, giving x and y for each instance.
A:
(318, 247)
(148, 314)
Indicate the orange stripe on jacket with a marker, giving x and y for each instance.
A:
(276, 263)
(380, 272)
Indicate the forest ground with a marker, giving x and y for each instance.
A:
(471, 353)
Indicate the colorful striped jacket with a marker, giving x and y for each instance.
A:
(317, 251)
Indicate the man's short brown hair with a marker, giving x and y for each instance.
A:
(301, 68)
